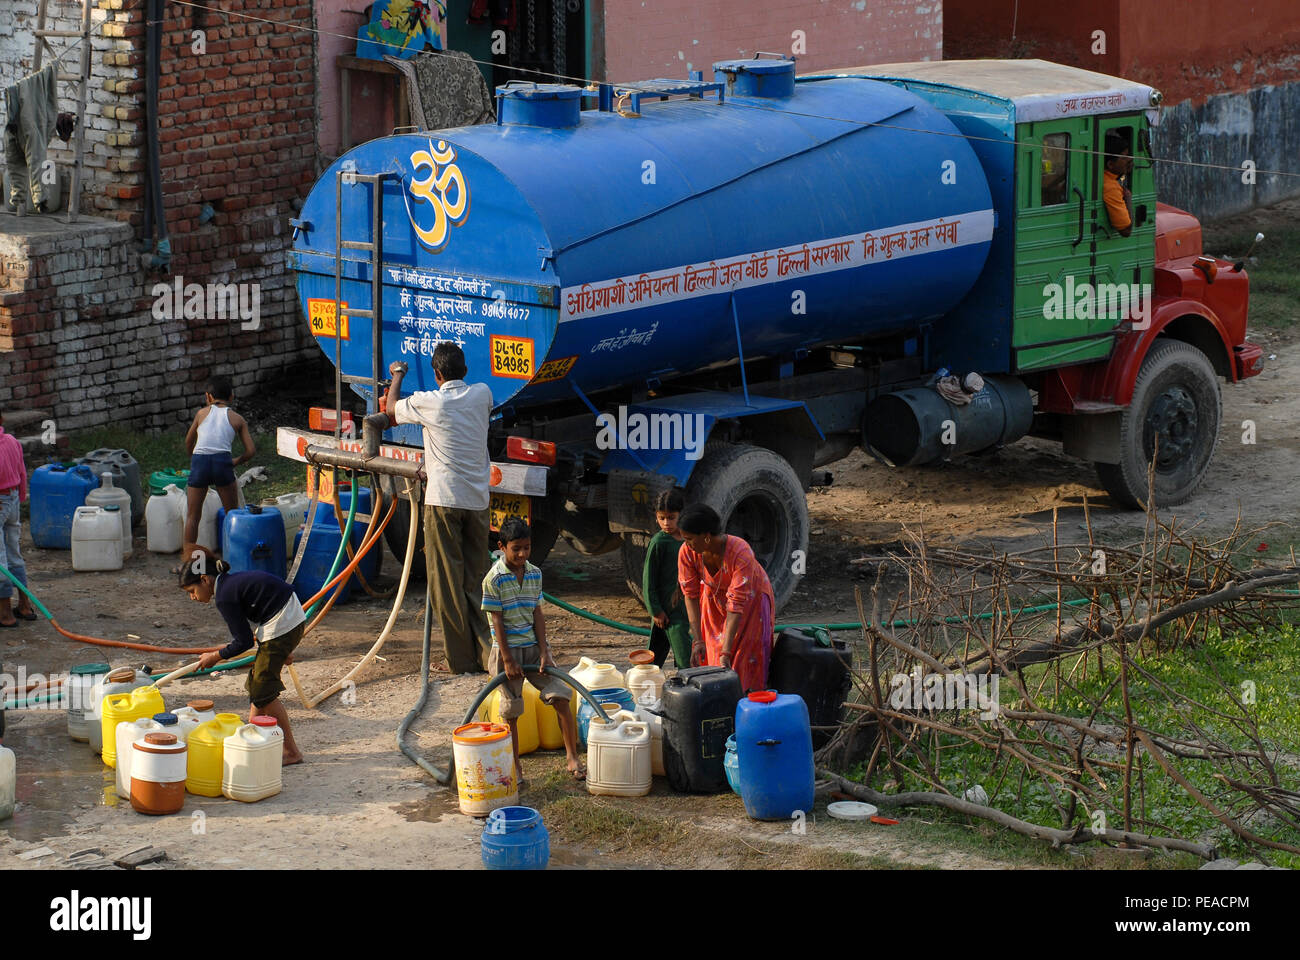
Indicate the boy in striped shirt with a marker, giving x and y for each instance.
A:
(512, 595)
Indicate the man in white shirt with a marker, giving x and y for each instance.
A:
(455, 422)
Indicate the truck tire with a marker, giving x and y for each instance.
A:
(634, 548)
(1176, 399)
(760, 499)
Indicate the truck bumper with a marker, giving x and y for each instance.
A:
(1249, 359)
(526, 479)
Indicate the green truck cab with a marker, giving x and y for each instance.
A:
(1122, 338)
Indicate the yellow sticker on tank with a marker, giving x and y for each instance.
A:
(512, 357)
(320, 316)
(555, 369)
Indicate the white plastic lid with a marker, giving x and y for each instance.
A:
(851, 810)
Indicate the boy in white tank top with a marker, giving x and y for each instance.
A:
(209, 441)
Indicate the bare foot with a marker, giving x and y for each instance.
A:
(290, 760)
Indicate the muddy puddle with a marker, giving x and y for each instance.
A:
(59, 779)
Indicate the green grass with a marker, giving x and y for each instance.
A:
(164, 451)
(1274, 278)
(1213, 673)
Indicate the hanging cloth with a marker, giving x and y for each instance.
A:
(31, 115)
(402, 28)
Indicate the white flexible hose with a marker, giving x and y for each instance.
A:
(392, 616)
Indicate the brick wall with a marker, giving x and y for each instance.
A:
(237, 133)
(114, 86)
(666, 38)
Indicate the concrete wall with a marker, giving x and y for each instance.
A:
(237, 130)
(666, 38)
(1261, 125)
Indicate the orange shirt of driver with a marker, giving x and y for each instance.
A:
(1116, 208)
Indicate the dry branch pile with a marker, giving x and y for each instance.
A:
(962, 620)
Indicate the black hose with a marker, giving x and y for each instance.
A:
(500, 678)
(442, 776)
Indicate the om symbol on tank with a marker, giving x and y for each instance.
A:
(443, 192)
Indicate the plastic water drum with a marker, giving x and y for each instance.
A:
(192, 716)
(119, 680)
(485, 768)
(731, 765)
(618, 757)
(97, 539)
(549, 734)
(253, 539)
(160, 480)
(209, 534)
(774, 750)
(293, 511)
(123, 708)
(593, 675)
(127, 733)
(645, 679)
(651, 714)
(81, 708)
(514, 838)
(617, 697)
(525, 723)
(206, 754)
(8, 783)
(164, 520)
(253, 760)
(107, 495)
(158, 763)
(126, 475)
(56, 491)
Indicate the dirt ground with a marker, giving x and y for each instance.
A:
(358, 803)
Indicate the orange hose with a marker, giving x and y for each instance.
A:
(372, 537)
(338, 517)
(366, 544)
(100, 642)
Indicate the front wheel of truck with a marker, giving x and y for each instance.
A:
(1174, 419)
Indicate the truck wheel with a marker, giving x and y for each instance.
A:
(634, 548)
(1176, 402)
(759, 498)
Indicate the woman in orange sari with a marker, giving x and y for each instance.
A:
(728, 598)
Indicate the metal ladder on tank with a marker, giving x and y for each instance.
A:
(375, 247)
(82, 79)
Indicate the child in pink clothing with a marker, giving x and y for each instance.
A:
(13, 493)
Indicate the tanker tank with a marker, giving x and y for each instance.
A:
(583, 250)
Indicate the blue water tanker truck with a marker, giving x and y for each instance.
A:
(725, 285)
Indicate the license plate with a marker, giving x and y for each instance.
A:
(503, 505)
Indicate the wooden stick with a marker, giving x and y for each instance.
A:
(1056, 837)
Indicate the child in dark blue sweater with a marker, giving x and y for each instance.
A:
(257, 607)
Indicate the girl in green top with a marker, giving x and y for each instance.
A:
(663, 597)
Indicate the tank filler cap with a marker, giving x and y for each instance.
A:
(524, 103)
(767, 79)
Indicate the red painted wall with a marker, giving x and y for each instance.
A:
(1188, 49)
(666, 38)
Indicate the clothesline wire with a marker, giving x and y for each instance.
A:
(632, 87)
